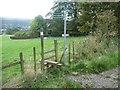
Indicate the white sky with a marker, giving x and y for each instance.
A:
(27, 9)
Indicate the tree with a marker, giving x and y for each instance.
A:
(106, 26)
(83, 16)
(56, 27)
(36, 24)
(88, 14)
(72, 11)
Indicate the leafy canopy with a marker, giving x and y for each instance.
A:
(37, 23)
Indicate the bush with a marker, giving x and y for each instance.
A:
(11, 31)
(24, 34)
(97, 65)
(103, 40)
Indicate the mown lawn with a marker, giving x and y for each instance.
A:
(12, 48)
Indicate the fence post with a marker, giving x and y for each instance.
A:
(79, 51)
(42, 51)
(73, 50)
(56, 50)
(34, 53)
(22, 63)
(69, 53)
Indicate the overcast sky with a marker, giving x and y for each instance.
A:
(27, 9)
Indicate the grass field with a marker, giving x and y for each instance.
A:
(12, 48)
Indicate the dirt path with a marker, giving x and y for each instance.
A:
(108, 79)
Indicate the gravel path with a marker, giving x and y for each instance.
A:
(108, 79)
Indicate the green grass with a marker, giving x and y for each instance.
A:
(97, 65)
(12, 48)
(55, 77)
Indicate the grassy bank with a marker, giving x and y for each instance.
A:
(97, 65)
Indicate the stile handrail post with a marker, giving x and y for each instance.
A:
(56, 50)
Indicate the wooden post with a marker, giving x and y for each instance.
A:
(21, 63)
(69, 53)
(42, 51)
(73, 50)
(34, 54)
(56, 50)
(79, 51)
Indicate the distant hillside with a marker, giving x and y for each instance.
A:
(14, 22)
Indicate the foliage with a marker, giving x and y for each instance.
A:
(55, 71)
(11, 31)
(88, 14)
(106, 25)
(56, 27)
(102, 40)
(83, 16)
(93, 55)
(36, 24)
(97, 65)
(71, 8)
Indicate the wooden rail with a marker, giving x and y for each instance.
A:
(21, 62)
(49, 51)
(49, 57)
(9, 65)
(62, 55)
(51, 62)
